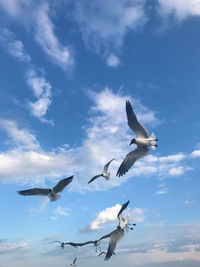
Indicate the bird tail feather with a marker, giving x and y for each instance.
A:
(153, 141)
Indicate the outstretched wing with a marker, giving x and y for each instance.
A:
(131, 158)
(71, 244)
(94, 178)
(106, 166)
(115, 237)
(133, 123)
(74, 260)
(34, 192)
(124, 206)
(55, 242)
(85, 243)
(106, 236)
(62, 184)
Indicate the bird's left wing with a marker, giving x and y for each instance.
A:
(124, 206)
(115, 237)
(131, 158)
(74, 260)
(62, 184)
(94, 178)
(34, 192)
(107, 165)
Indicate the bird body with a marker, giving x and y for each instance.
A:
(52, 193)
(105, 173)
(74, 262)
(143, 141)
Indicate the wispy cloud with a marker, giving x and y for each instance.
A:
(35, 16)
(111, 20)
(14, 47)
(42, 91)
(7, 247)
(59, 211)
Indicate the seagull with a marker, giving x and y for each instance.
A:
(124, 223)
(105, 173)
(62, 244)
(143, 141)
(74, 264)
(51, 192)
(117, 234)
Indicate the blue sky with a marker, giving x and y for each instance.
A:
(67, 69)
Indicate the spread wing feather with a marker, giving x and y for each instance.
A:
(34, 192)
(107, 165)
(131, 158)
(62, 184)
(94, 178)
(133, 123)
(115, 237)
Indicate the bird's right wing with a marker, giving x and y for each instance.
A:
(107, 164)
(133, 123)
(131, 158)
(34, 192)
(94, 178)
(124, 206)
(106, 236)
(62, 184)
(74, 260)
(115, 237)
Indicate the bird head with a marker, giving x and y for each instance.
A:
(132, 141)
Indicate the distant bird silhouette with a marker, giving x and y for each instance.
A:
(142, 141)
(105, 253)
(51, 192)
(96, 244)
(74, 264)
(62, 244)
(105, 173)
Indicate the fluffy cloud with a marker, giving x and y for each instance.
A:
(106, 137)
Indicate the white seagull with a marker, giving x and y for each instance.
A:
(105, 173)
(117, 234)
(142, 141)
(62, 244)
(74, 262)
(52, 193)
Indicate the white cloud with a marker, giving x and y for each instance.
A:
(104, 216)
(42, 91)
(107, 136)
(21, 138)
(61, 211)
(195, 154)
(45, 36)
(180, 8)
(113, 61)
(111, 20)
(14, 47)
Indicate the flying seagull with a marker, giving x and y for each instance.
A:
(62, 244)
(50, 192)
(105, 173)
(117, 234)
(74, 264)
(96, 244)
(143, 141)
(105, 253)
